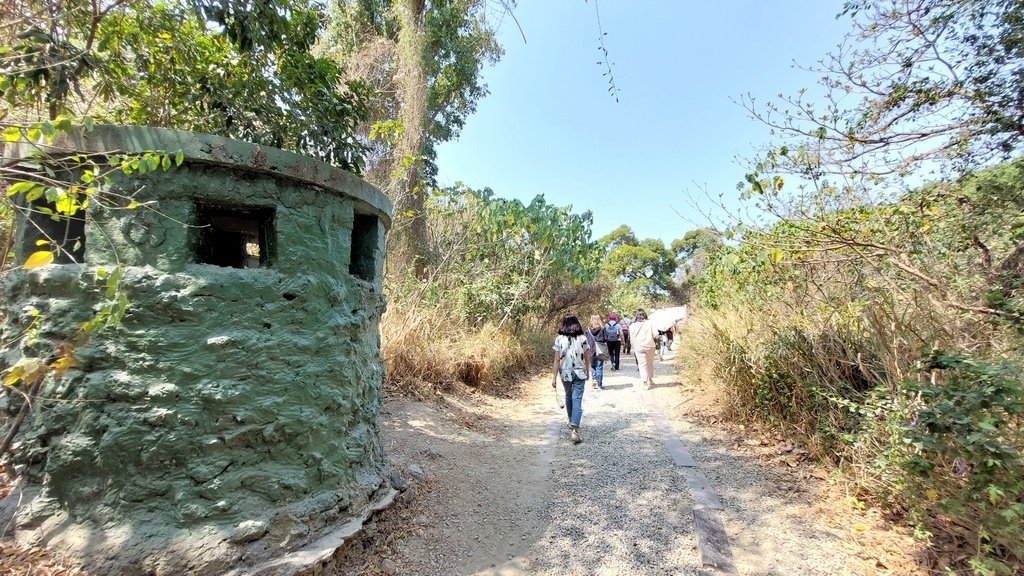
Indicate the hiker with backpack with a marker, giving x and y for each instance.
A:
(572, 365)
(613, 332)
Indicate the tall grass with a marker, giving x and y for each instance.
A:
(425, 350)
(938, 438)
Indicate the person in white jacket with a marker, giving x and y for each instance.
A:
(642, 334)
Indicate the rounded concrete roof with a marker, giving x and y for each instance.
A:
(219, 151)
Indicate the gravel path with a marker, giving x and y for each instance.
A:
(497, 488)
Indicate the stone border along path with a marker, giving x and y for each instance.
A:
(712, 542)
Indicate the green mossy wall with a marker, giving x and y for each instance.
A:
(238, 406)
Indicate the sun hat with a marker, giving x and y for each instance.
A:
(613, 316)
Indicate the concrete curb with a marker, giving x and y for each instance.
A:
(713, 552)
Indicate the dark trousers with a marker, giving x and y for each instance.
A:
(613, 354)
(625, 342)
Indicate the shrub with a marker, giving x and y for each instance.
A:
(961, 457)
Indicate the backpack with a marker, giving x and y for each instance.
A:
(612, 331)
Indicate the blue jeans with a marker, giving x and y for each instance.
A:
(574, 400)
(597, 370)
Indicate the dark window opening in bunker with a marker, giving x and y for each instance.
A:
(64, 235)
(234, 237)
(362, 261)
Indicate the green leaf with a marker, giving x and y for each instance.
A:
(12, 134)
(22, 188)
(179, 157)
(34, 194)
(88, 123)
(49, 130)
(66, 205)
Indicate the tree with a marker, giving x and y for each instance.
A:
(643, 267)
(237, 69)
(936, 89)
(503, 260)
(623, 235)
(696, 247)
(424, 58)
(931, 82)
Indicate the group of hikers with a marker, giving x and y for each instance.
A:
(580, 354)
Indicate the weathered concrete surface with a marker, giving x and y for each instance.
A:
(232, 416)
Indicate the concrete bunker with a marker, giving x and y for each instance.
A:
(229, 421)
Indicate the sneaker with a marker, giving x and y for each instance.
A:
(575, 436)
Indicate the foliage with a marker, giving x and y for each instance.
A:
(963, 453)
(696, 248)
(816, 326)
(930, 81)
(233, 69)
(643, 267)
(499, 260)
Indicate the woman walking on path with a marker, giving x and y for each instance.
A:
(595, 334)
(642, 334)
(572, 365)
(613, 331)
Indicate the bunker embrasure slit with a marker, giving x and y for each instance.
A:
(362, 261)
(64, 234)
(234, 236)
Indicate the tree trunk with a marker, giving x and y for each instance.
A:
(407, 244)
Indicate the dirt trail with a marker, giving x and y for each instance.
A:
(497, 488)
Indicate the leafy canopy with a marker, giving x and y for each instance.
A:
(243, 70)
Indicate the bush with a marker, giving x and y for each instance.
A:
(961, 456)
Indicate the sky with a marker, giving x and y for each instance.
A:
(676, 134)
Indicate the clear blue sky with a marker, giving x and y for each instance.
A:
(549, 126)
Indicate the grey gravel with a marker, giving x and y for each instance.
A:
(508, 493)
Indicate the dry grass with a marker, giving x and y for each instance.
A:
(834, 378)
(795, 365)
(424, 350)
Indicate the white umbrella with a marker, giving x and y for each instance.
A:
(666, 318)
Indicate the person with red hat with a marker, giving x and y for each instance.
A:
(613, 331)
